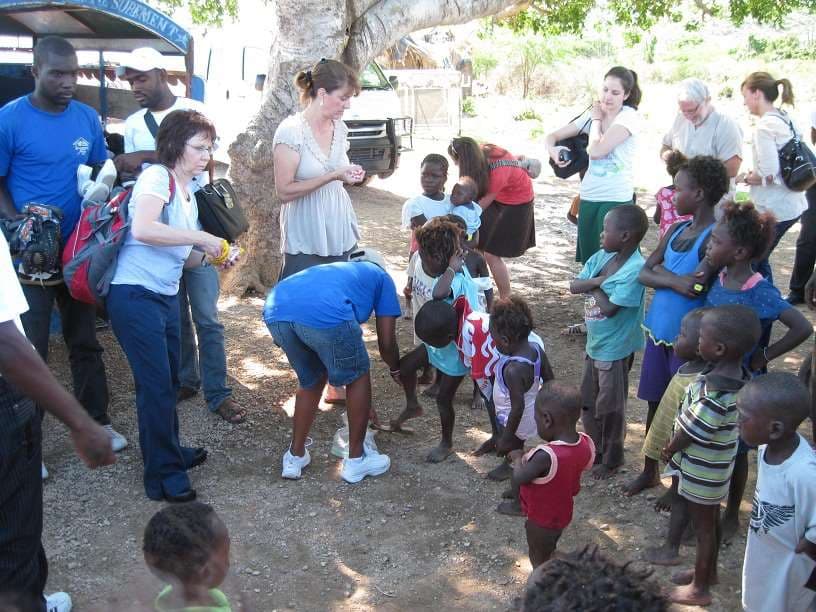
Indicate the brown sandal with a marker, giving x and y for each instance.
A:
(231, 412)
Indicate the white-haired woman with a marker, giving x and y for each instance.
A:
(700, 129)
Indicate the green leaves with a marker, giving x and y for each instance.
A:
(209, 12)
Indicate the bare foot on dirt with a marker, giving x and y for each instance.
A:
(664, 555)
(431, 391)
(478, 402)
(439, 454)
(603, 472)
(486, 447)
(729, 528)
(644, 480)
(689, 595)
(687, 576)
(510, 508)
(501, 472)
(412, 411)
(664, 502)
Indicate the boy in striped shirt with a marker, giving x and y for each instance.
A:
(701, 453)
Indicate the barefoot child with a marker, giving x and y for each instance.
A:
(613, 311)
(703, 447)
(431, 203)
(743, 236)
(781, 548)
(679, 274)
(440, 275)
(518, 375)
(659, 434)
(188, 546)
(548, 477)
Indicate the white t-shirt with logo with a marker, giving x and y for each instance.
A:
(612, 178)
(139, 138)
(12, 300)
(783, 512)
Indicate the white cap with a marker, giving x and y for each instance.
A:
(369, 255)
(142, 59)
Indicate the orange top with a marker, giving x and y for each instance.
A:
(512, 185)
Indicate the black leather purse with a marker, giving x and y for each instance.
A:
(219, 212)
(577, 145)
(797, 163)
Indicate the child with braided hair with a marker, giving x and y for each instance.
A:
(741, 238)
(439, 275)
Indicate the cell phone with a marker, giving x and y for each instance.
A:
(564, 155)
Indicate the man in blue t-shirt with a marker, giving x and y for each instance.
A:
(315, 317)
(44, 137)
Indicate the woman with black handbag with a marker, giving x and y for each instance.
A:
(772, 132)
(611, 126)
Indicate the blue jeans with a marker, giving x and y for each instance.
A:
(764, 266)
(147, 327)
(198, 292)
(337, 353)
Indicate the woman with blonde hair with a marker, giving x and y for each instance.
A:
(772, 131)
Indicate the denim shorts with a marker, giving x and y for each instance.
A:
(337, 352)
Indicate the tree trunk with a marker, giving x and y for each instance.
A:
(306, 31)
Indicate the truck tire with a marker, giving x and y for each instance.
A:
(365, 181)
(385, 175)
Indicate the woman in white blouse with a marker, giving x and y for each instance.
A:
(317, 221)
(772, 131)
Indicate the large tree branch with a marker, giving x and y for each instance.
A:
(388, 20)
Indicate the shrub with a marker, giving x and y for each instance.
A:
(468, 107)
(528, 114)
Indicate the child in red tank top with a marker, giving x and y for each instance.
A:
(548, 477)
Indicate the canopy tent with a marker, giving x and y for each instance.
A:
(96, 25)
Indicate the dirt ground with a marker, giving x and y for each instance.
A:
(423, 536)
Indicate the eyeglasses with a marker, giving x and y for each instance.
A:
(202, 150)
(691, 112)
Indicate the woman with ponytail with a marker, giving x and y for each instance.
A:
(772, 131)
(317, 221)
(613, 124)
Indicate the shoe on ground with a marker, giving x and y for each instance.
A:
(58, 602)
(185, 393)
(370, 464)
(118, 441)
(293, 465)
(43, 471)
(340, 443)
(794, 299)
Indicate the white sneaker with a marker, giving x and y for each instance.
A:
(83, 178)
(370, 464)
(107, 174)
(58, 602)
(292, 465)
(340, 443)
(43, 471)
(118, 441)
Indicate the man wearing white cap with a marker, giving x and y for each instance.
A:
(199, 288)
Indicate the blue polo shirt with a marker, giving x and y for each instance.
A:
(40, 153)
(330, 294)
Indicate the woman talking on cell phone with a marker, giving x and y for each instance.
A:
(612, 124)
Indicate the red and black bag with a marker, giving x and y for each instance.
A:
(91, 253)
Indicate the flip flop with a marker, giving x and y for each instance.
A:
(408, 431)
(577, 329)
